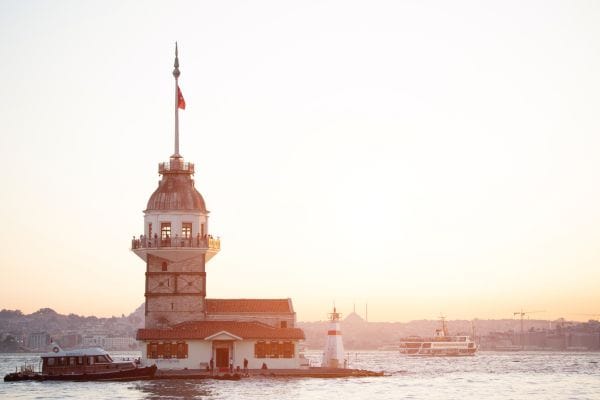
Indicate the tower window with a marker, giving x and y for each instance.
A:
(164, 266)
(150, 229)
(186, 230)
(165, 230)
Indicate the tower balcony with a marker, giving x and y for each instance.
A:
(174, 166)
(176, 248)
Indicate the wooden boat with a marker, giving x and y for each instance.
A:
(93, 364)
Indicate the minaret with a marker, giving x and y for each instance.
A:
(176, 243)
(333, 356)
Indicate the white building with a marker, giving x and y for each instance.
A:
(118, 343)
(184, 329)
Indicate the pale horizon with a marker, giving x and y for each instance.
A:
(421, 157)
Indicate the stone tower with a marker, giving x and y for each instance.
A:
(176, 243)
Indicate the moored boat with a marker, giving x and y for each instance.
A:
(92, 364)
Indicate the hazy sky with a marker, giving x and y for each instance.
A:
(425, 157)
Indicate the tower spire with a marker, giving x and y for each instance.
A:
(176, 74)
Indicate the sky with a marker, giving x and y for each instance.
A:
(421, 157)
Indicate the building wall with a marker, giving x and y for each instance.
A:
(177, 294)
(246, 349)
(269, 319)
(118, 343)
(200, 352)
(93, 340)
(38, 340)
(176, 219)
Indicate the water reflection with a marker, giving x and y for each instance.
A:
(173, 389)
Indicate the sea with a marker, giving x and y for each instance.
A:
(487, 375)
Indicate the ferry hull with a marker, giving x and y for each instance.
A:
(439, 352)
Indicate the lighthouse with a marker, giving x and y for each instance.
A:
(176, 243)
(333, 356)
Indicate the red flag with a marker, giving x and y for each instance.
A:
(180, 99)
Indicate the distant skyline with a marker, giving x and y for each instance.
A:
(422, 157)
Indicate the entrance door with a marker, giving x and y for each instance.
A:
(222, 355)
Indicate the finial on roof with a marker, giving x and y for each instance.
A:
(176, 72)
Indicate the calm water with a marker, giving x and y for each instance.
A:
(488, 375)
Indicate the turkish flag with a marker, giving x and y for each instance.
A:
(180, 99)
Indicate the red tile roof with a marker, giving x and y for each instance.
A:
(203, 329)
(234, 306)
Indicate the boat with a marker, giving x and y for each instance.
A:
(91, 364)
(442, 344)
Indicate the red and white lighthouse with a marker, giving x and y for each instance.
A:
(333, 356)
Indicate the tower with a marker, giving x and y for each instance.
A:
(176, 243)
(333, 356)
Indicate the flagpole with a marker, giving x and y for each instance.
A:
(176, 74)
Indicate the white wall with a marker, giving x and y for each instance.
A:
(176, 219)
(200, 353)
(246, 349)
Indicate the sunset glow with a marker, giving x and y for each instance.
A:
(346, 154)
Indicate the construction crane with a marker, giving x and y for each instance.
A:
(522, 314)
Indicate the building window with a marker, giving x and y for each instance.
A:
(150, 229)
(152, 350)
(164, 266)
(273, 349)
(283, 324)
(182, 350)
(165, 230)
(167, 350)
(260, 350)
(186, 230)
(288, 350)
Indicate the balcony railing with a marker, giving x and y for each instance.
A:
(197, 242)
(175, 165)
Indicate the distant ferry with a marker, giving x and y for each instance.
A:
(442, 344)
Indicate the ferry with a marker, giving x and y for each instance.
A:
(92, 364)
(442, 344)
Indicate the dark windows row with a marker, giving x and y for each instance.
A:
(167, 350)
(272, 349)
(72, 361)
(165, 230)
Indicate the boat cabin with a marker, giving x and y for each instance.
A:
(92, 360)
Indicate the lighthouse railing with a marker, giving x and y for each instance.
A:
(156, 242)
